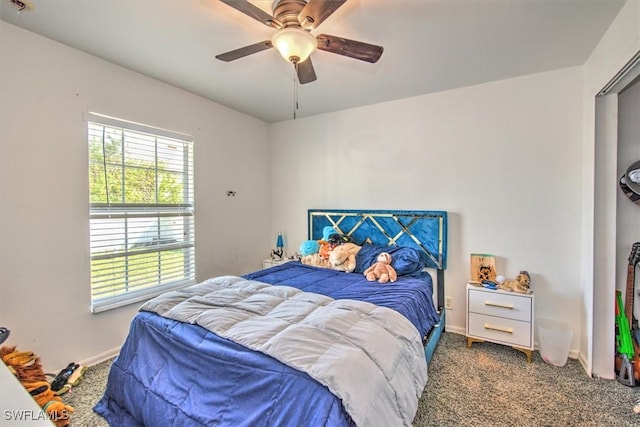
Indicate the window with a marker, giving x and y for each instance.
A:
(141, 211)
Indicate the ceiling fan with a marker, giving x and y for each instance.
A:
(294, 20)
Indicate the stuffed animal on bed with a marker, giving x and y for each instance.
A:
(309, 254)
(309, 247)
(325, 249)
(327, 232)
(325, 243)
(343, 257)
(382, 271)
(315, 260)
(339, 239)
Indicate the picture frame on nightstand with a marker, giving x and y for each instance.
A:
(483, 267)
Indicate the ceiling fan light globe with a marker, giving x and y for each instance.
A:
(295, 45)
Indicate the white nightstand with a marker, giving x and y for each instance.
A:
(500, 317)
(266, 263)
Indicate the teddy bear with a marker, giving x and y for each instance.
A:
(343, 257)
(520, 284)
(382, 271)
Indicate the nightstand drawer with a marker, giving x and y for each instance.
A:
(500, 330)
(494, 303)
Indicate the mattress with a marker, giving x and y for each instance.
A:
(174, 373)
(411, 296)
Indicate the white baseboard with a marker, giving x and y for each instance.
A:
(98, 358)
(455, 329)
(573, 354)
(94, 360)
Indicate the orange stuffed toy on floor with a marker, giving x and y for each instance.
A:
(28, 369)
(56, 409)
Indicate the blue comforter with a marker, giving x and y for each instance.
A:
(176, 374)
(410, 296)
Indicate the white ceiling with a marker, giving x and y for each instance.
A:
(429, 46)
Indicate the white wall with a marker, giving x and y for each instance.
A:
(503, 158)
(44, 230)
(598, 269)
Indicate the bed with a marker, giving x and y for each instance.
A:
(292, 344)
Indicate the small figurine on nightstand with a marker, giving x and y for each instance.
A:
(278, 252)
(521, 284)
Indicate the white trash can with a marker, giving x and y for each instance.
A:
(554, 340)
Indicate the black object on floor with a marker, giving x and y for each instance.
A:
(61, 379)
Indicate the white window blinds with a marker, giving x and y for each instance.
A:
(141, 211)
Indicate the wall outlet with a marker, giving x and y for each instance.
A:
(448, 303)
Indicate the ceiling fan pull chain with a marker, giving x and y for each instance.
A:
(295, 90)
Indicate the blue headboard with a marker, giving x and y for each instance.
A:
(422, 230)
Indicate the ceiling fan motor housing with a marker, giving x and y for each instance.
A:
(288, 11)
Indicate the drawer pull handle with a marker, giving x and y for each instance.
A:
(493, 304)
(495, 328)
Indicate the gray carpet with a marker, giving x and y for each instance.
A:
(488, 385)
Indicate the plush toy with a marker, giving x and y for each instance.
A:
(382, 271)
(28, 369)
(53, 405)
(324, 250)
(343, 257)
(520, 284)
(309, 247)
(315, 260)
(339, 239)
(327, 232)
(309, 254)
(325, 245)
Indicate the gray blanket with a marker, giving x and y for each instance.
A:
(370, 357)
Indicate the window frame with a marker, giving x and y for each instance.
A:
(138, 276)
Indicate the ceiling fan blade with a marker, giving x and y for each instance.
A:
(316, 11)
(351, 48)
(305, 71)
(245, 51)
(254, 12)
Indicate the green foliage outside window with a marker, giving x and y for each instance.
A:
(139, 176)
